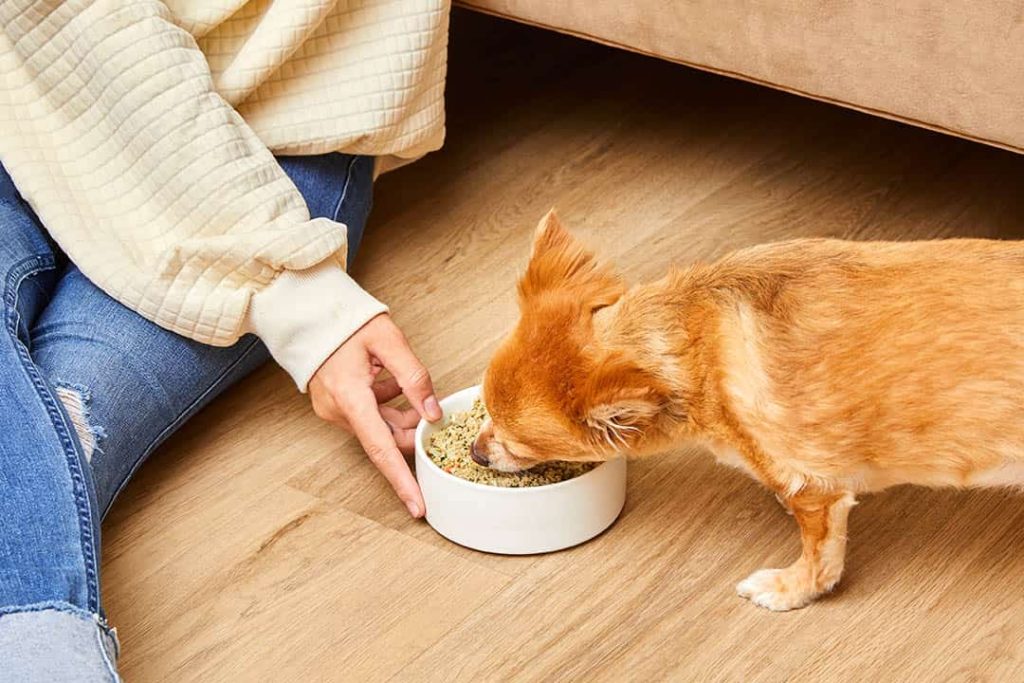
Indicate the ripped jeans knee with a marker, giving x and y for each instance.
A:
(77, 399)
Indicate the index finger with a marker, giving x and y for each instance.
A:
(380, 447)
(414, 378)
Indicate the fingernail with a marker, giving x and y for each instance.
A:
(414, 510)
(433, 408)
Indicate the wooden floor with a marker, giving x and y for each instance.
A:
(259, 544)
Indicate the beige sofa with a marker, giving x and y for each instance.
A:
(955, 66)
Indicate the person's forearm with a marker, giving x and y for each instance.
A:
(157, 189)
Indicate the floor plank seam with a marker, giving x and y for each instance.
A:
(406, 534)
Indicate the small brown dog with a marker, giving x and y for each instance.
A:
(821, 367)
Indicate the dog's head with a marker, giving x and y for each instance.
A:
(554, 390)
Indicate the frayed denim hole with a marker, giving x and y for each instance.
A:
(77, 399)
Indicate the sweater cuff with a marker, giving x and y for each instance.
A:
(304, 315)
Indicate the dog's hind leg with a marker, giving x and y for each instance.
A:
(822, 520)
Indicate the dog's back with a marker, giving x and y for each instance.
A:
(874, 363)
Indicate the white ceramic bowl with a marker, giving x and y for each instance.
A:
(516, 521)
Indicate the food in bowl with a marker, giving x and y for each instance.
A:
(449, 449)
(515, 520)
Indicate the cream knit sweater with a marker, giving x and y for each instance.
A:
(142, 134)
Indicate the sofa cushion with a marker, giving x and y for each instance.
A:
(955, 66)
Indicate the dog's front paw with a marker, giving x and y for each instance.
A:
(779, 589)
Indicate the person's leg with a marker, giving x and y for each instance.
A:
(336, 186)
(51, 625)
(125, 384)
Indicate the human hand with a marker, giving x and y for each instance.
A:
(346, 390)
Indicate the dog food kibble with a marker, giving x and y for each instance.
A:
(449, 449)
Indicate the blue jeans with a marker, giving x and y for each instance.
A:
(89, 390)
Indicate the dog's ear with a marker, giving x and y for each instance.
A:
(558, 262)
(619, 402)
(549, 235)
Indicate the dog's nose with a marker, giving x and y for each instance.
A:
(479, 457)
